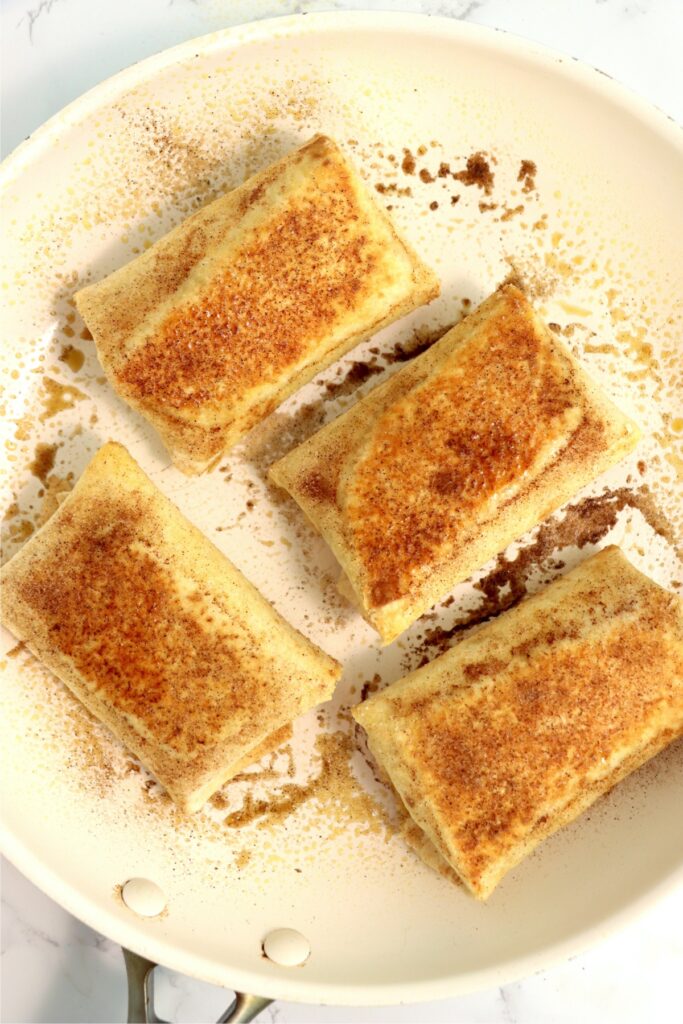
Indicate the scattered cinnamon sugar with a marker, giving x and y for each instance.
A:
(170, 155)
(242, 859)
(487, 207)
(22, 523)
(19, 530)
(434, 205)
(272, 746)
(85, 743)
(393, 189)
(422, 339)
(276, 763)
(536, 281)
(316, 487)
(408, 162)
(334, 788)
(585, 523)
(527, 174)
(277, 435)
(511, 211)
(357, 374)
(477, 172)
(371, 686)
(276, 807)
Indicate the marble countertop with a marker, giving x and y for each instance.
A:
(53, 967)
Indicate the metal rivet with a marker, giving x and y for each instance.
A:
(287, 947)
(143, 897)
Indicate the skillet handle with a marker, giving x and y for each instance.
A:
(244, 1008)
(140, 972)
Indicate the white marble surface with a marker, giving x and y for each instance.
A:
(53, 967)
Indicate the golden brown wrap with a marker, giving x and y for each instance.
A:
(244, 302)
(157, 633)
(459, 453)
(518, 728)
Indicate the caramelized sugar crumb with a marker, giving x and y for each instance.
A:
(527, 174)
(408, 162)
(477, 172)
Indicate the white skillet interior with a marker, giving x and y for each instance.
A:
(112, 172)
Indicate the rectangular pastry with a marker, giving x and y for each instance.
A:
(522, 725)
(249, 298)
(459, 453)
(157, 633)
